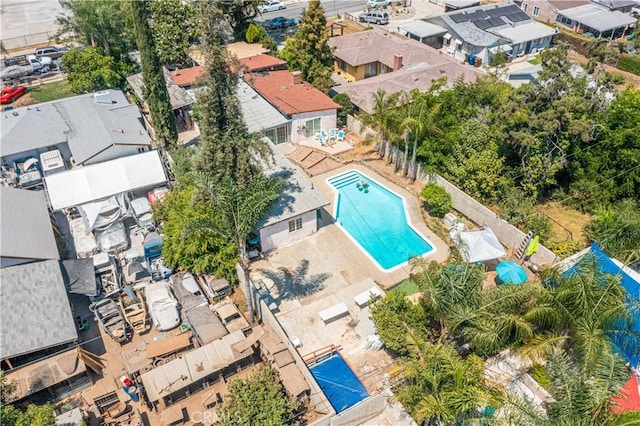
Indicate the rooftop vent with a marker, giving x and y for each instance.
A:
(103, 97)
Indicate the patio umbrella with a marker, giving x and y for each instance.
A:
(533, 246)
(511, 273)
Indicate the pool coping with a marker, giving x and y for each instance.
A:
(406, 214)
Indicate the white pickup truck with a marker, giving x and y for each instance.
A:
(23, 65)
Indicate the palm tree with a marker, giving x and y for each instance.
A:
(384, 119)
(237, 211)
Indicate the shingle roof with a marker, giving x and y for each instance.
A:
(34, 309)
(25, 228)
(298, 195)
(263, 62)
(526, 32)
(187, 76)
(598, 18)
(278, 88)
(258, 113)
(178, 97)
(87, 126)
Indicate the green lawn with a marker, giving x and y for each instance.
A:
(51, 91)
(408, 287)
(535, 61)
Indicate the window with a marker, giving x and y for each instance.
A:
(295, 225)
(536, 11)
(311, 127)
(342, 65)
(525, 6)
(371, 69)
(277, 135)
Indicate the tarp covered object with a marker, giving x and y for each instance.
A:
(79, 277)
(101, 214)
(478, 246)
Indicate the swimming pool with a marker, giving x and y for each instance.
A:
(338, 382)
(375, 218)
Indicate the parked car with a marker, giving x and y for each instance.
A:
(10, 94)
(279, 22)
(187, 291)
(15, 71)
(374, 17)
(52, 52)
(377, 3)
(162, 305)
(230, 316)
(113, 239)
(270, 6)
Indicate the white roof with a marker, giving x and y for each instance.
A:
(422, 29)
(258, 113)
(478, 246)
(99, 181)
(597, 18)
(526, 32)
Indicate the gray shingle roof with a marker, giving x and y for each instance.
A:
(298, 194)
(87, 126)
(258, 113)
(25, 228)
(34, 309)
(178, 96)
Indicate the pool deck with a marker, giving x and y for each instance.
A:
(351, 272)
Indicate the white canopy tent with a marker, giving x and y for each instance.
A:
(478, 246)
(100, 181)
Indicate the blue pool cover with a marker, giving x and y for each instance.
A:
(627, 344)
(339, 383)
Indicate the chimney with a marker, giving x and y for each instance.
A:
(297, 77)
(397, 62)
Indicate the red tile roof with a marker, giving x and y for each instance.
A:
(278, 88)
(262, 62)
(187, 76)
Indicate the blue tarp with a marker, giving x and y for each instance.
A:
(628, 345)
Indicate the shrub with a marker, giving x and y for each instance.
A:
(343, 100)
(565, 249)
(437, 199)
(630, 63)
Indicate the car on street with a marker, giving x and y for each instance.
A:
(271, 6)
(279, 22)
(163, 306)
(10, 94)
(377, 3)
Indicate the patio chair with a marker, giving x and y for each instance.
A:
(340, 137)
(323, 135)
(333, 133)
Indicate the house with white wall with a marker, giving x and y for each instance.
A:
(309, 110)
(296, 215)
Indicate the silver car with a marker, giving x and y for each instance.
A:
(271, 6)
(163, 306)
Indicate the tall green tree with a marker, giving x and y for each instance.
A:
(385, 119)
(175, 28)
(239, 14)
(155, 94)
(308, 50)
(96, 23)
(259, 400)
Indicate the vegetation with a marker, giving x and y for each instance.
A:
(89, 70)
(617, 229)
(343, 100)
(155, 90)
(260, 399)
(308, 51)
(32, 415)
(629, 63)
(51, 91)
(437, 199)
(257, 34)
(175, 28)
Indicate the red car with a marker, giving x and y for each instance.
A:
(10, 94)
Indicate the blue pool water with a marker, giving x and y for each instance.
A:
(338, 382)
(376, 219)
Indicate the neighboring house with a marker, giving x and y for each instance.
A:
(295, 215)
(524, 75)
(37, 347)
(85, 129)
(187, 77)
(486, 30)
(181, 101)
(263, 63)
(596, 20)
(377, 59)
(624, 6)
(239, 49)
(262, 117)
(451, 5)
(309, 110)
(547, 10)
(424, 32)
(26, 234)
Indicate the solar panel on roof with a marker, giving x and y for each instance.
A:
(519, 16)
(482, 13)
(494, 13)
(495, 22)
(458, 17)
(483, 25)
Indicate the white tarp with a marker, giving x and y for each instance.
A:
(478, 246)
(99, 181)
(101, 214)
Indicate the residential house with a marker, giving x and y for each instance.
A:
(181, 101)
(26, 234)
(623, 6)
(296, 215)
(85, 129)
(239, 49)
(309, 110)
(263, 62)
(39, 333)
(479, 33)
(262, 117)
(547, 10)
(187, 77)
(596, 20)
(451, 5)
(377, 59)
